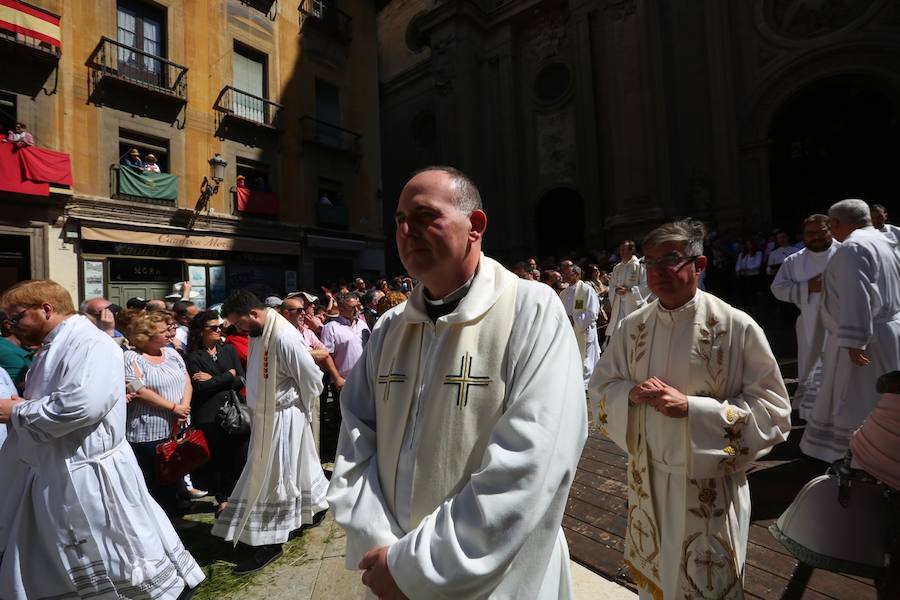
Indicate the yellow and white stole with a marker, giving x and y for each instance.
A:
(709, 565)
(461, 383)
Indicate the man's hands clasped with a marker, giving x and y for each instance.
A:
(660, 396)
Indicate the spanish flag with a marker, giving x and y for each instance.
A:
(29, 21)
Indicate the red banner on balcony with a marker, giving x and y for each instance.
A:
(248, 201)
(29, 21)
(49, 166)
(11, 177)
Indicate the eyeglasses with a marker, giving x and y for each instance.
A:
(669, 261)
(14, 319)
(99, 312)
(213, 327)
(293, 310)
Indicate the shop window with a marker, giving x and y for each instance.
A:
(145, 145)
(8, 112)
(255, 174)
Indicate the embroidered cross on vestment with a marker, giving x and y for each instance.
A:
(464, 379)
(390, 378)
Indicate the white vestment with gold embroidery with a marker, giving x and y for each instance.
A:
(460, 440)
(689, 502)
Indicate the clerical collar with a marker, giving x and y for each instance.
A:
(453, 296)
(690, 304)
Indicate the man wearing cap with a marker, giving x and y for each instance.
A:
(133, 159)
(136, 303)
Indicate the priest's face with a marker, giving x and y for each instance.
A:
(672, 274)
(434, 238)
(817, 236)
(250, 324)
(879, 217)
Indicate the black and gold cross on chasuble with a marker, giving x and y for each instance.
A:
(464, 380)
(388, 379)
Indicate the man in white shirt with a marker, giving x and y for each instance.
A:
(184, 310)
(799, 281)
(464, 420)
(779, 253)
(879, 222)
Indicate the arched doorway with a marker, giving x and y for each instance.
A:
(559, 222)
(836, 138)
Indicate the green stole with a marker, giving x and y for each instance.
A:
(709, 566)
(461, 383)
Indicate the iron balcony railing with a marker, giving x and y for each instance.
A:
(126, 63)
(329, 18)
(323, 133)
(233, 102)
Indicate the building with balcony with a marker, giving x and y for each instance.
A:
(220, 93)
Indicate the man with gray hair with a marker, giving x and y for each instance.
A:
(860, 310)
(690, 389)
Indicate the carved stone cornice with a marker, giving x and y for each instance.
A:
(619, 10)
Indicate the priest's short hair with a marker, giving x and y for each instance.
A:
(852, 212)
(689, 231)
(241, 302)
(35, 292)
(467, 197)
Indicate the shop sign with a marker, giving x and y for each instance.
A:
(135, 269)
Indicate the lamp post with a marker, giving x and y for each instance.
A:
(217, 166)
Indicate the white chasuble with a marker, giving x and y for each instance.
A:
(632, 276)
(583, 306)
(689, 503)
(76, 520)
(459, 442)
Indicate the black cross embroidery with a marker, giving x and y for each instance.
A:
(464, 379)
(390, 378)
(76, 543)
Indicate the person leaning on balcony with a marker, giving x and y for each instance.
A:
(133, 159)
(19, 136)
(150, 164)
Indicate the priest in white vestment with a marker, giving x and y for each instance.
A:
(860, 310)
(628, 289)
(799, 281)
(879, 222)
(464, 420)
(690, 389)
(282, 486)
(583, 309)
(76, 520)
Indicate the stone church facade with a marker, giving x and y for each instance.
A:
(586, 121)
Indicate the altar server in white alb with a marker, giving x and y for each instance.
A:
(583, 308)
(627, 287)
(76, 520)
(464, 420)
(860, 311)
(282, 486)
(690, 389)
(879, 222)
(799, 281)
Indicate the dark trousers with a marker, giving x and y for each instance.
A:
(330, 418)
(228, 453)
(145, 452)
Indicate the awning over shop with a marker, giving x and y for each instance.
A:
(29, 21)
(249, 201)
(31, 170)
(179, 240)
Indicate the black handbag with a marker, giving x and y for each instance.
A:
(234, 416)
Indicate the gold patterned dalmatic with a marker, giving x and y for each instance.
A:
(723, 414)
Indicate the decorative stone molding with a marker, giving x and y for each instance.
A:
(547, 33)
(443, 67)
(619, 10)
(556, 144)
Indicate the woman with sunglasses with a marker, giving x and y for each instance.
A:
(216, 372)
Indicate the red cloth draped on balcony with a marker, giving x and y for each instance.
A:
(29, 21)
(30, 170)
(248, 201)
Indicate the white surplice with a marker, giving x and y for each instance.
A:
(860, 308)
(510, 443)
(891, 231)
(583, 306)
(791, 284)
(291, 484)
(693, 534)
(76, 520)
(632, 276)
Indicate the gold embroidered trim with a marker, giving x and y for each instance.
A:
(644, 582)
(638, 349)
(709, 350)
(708, 512)
(734, 433)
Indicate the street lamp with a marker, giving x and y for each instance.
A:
(217, 166)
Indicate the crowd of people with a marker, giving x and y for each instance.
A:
(454, 403)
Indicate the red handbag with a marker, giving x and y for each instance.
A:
(181, 454)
